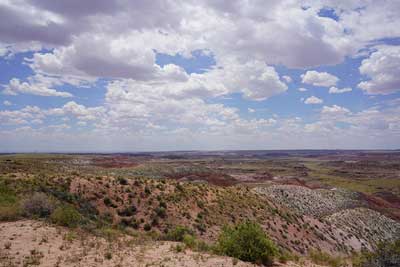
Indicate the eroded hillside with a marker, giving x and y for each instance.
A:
(150, 196)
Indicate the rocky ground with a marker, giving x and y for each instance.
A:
(360, 227)
(366, 224)
(314, 202)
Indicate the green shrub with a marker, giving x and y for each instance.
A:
(323, 258)
(147, 227)
(109, 233)
(10, 212)
(129, 211)
(147, 190)
(109, 203)
(179, 248)
(162, 204)
(122, 181)
(178, 233)
(7, 195)
(248, 242)
(66, 215)
(108, 255)
(161, 212)
(38, 205)
(285, 256)
(9, 206)
(190, 241)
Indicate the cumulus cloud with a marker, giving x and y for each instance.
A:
(335, 90)
(319, 78)
(302, 89)
(118, 39)
(334, 110)
(22, 116)
(16, 87)
(313, 100)
(262, 82)
(383, 70)
(7, 103)
(117, 42)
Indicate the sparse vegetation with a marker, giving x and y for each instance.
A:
(178, 233)
(323, 258)
(386, 255)
(118, 201)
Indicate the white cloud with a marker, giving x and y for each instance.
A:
(16, 87)
(383, 69)
(3, 51)
(79, 111)
(99, 55)
(287, 78)
(22, 116)
(312, 100)
(302, 89)
(117, 46)
(165, 107)
(371, 128)
(261, 82)
(335, 90)
(319, 78)
(37, 121)
(334, 110)
(7, 103)
(369, 21)
(251, 110)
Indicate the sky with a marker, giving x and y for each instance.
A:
(125, 76)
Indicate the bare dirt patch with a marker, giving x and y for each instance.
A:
(27, 242)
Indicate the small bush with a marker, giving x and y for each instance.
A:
(66, 216)
(147, 227)
(108, 255)
(248, 242)
(323, 258)
(163, 204)
(190, 241)
(161, 212)
(7, 195)
(285, 256)
(109, 233)
(122, 181)
(155, 221)
(109, 203)
(178, 233)
(179, 248)
(129, 211)
(10, 212)
(9, 206)
(38, 205)
(147, 190)
(7, 245)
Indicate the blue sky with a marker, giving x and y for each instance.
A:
(239, 75)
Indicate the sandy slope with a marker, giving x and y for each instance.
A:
(27, 243)
(34, 242)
